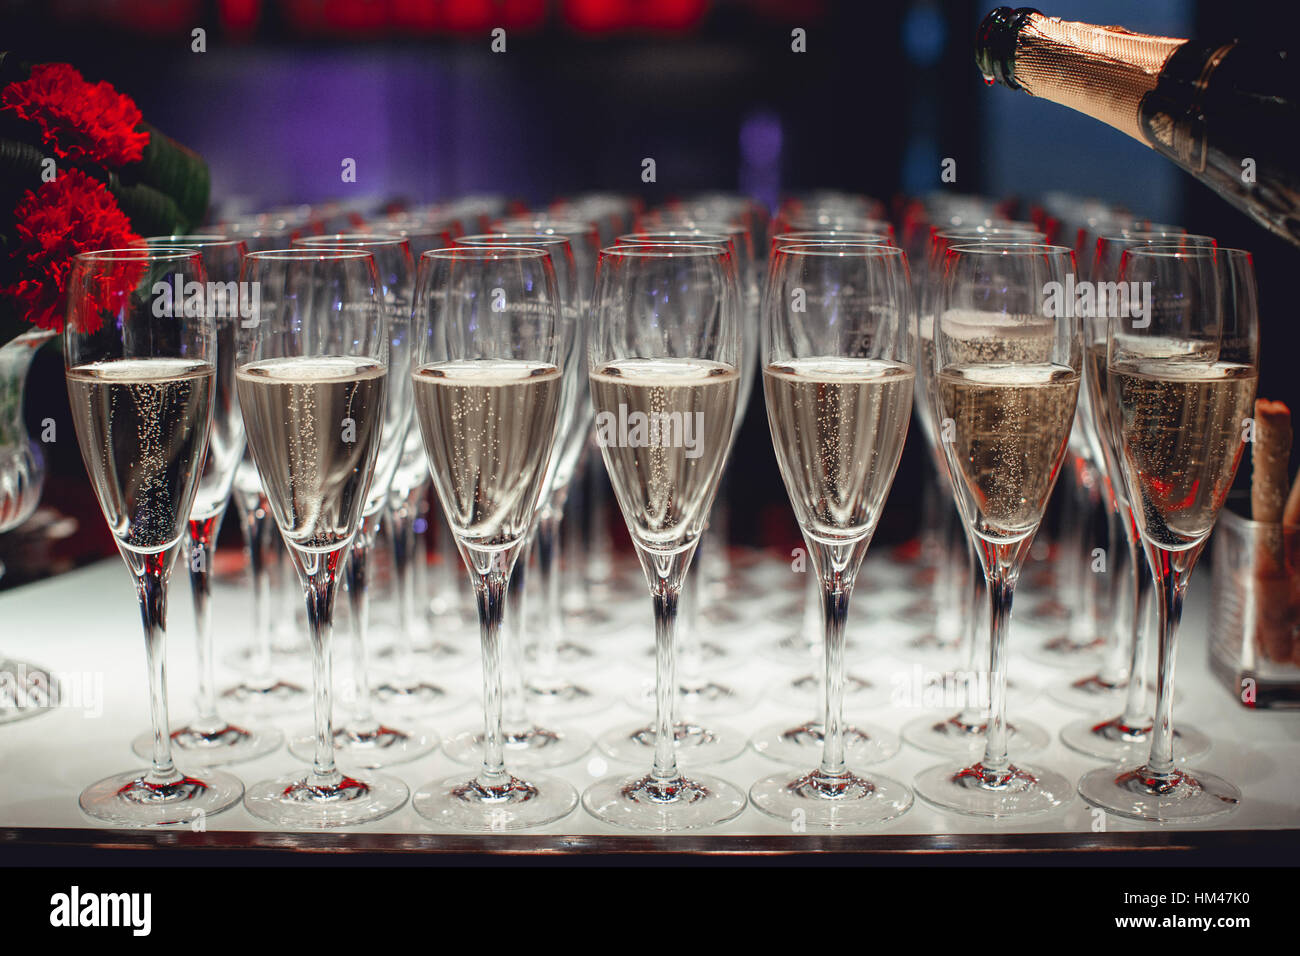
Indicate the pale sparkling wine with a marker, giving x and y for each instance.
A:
(838, 427)
(142, 425)
(1094, 358)
(313, 426)
(489, 427)
(664, 427)
(1181, 431)
(1009, 430)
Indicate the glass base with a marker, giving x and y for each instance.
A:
(248, 659)
(303, 800)
(802, 744)
(697, 744)
(514, 804)
(534, 746)
(1061, 651)
(707, 652)
(841, 801)
(1185, 796)
(696, 697)
(26, 690)
(439, 654)
(266, 698)
(929, 645)
(1018, 791)
(571, 655)
(1095, 693)
(131, 800)
(409, 694)
(795, 649)
(645, 802)
(954, 735)
(565, 698)
(1116, 742)
(377, 746)
(226, 744)
(920, 612)
(805, 692)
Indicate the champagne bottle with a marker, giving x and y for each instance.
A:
(1228, 113)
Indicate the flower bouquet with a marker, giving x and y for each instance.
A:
(79, 170)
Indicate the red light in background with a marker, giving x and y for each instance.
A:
(239, 17)
(598, 16)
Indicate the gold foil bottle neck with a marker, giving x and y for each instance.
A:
(1101, 71)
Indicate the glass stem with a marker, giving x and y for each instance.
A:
(320, 585)
(665, 596)
(975, 711)
(490, 589)
(514, 709)
(1172, 569)
(1114, 667)
(401, 527)
(837, 587)
(258, 527)
(203, 533)
(1135, 699)
(548, 579)
(358, 579)
(150, 572)
(1002, 586)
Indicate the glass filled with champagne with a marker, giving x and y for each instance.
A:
(1180, 391)
(664, 354)
(312, 378)
(839, 354)
(1005, 373)
(488, 376)
(141, 372)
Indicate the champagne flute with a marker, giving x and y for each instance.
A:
(698, 741)
(1007, 360)
(488, 381)
(1126, 735)
(312, 377)
(208, 738)
(141, 372)
(966, 729)
(1180, 387)
(665, 347)
(839, 347)
(363, 739)
(527, 742)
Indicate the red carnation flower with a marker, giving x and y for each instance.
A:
(71, 214)
(78, 120)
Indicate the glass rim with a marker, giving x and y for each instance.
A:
(510, 238)
(666, 250)
(195, 241)
(1145, 234)
(1010, 248)
(669, 237)
(559, 224)
(310, 254)
(800, 236)
(141, 253)
(850, 248)
(348, 240)
(961, 233)
(1172, 250)
(488, 252)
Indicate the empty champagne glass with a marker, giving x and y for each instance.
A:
(1007, 361)
(839, 354)
(665, 355)
(488, 382)
(141, 375)
(1180, 387)
(312, 378)
(208, 738)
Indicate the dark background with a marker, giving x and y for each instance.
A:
(585, 90)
